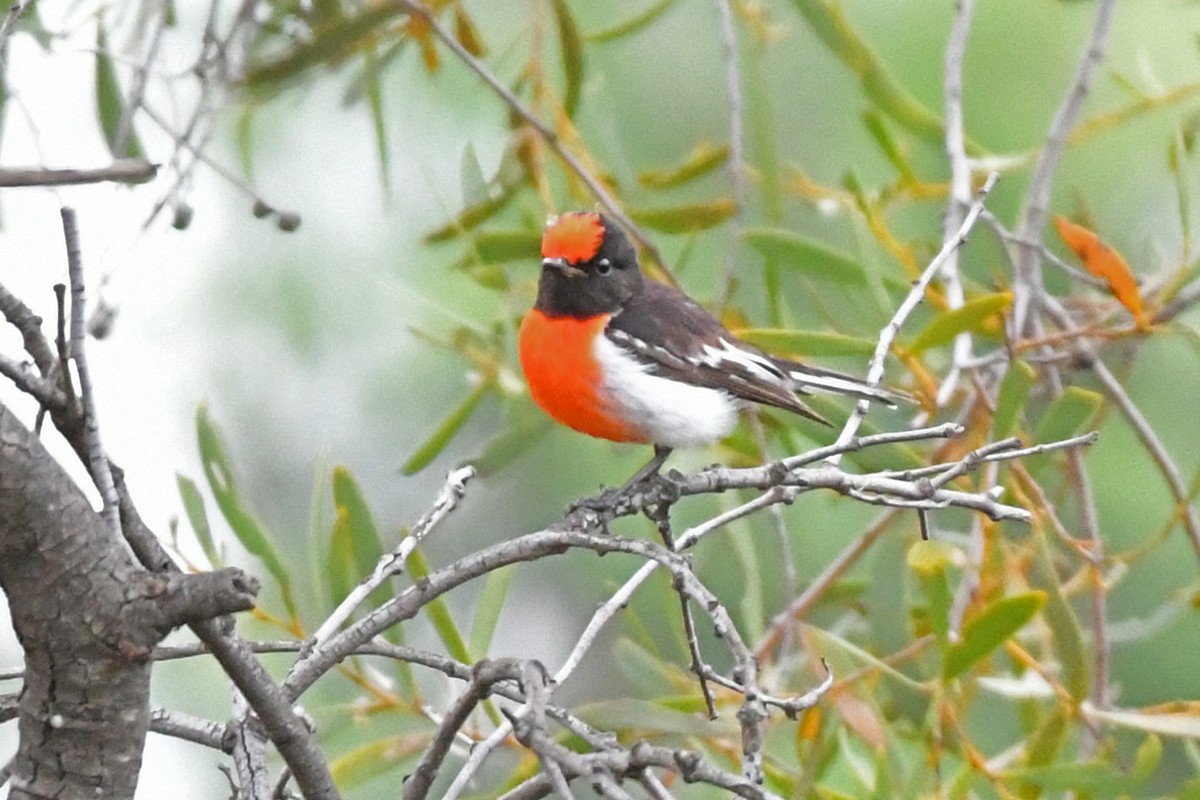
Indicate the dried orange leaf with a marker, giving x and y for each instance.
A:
(418, 28)
(1105, 263)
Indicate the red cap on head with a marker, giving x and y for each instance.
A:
(574, 237)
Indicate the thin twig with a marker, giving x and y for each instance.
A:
(178, 725)
(141, 74)
(392, 563)
(548, 134)
(1144, 431)
(960, 188)
(249, 751)
(97, 460)
(130, 171)
(1027, 275)
(910, 302)
(997, 451)
(10, 20)
(737, 156)
(816, 590)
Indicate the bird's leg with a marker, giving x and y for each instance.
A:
(661, 452)
(606, 499)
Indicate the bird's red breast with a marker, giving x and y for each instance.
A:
(558, 357)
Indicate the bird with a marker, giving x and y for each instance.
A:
(613, 354)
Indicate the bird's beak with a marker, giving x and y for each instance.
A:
(562, 266)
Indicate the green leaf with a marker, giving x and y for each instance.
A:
(368, 547)
(445, 431)
(1067, 415)
(1064, 624)
(654, 716)
(439, 614)
(340, 569)
(374, 93)
(930, 560)
(685, 218)
(355, 547)
(500, 247)
(473, 216)
(474, 185)
(877, 127)
(491, 601)
(1046, 742)
(704, 158)
(1014, 389)
(1098, 777)
(244, 136)
(1181, 724)
(752, 605)
(828, 21)
(973, 316)
(572, 56)
(330, 43)
(505, 448)
(376, 758)
(193, 506)
(987, 631)
(845, 657)
(249, 531)
(631, 25)
(806, 343)
(806, 255)
(651, 672)
(110, 103)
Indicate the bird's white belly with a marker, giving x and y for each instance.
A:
(669, 412)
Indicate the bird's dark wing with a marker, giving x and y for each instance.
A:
(680, 340)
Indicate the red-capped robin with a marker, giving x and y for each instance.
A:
(618, 356)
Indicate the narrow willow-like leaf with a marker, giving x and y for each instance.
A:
(501, 247)
(987, 631)
(930, 560)
(374, 93)
(444, 432)
(633, 24)
(828, 21)
(655, 716)
(328, 44)
(193, 506)
(806, 255)
(110, 103)
(1014, 389)
(253, 536)
(1067, 415)
(877, 127)
(974, 316)
(572, 56)
(438, 613)
(363, 546)
(505, 448)
(1064, 624)
(376, 758)
(1097, 778)
(704, 158)
(488, 607)
(685, 218)
(474, 216)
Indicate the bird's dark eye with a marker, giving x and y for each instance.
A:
(603, 266)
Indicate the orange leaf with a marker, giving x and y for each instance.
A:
(418, 28)
(1105, 263)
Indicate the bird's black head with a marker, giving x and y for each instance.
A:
(589, 267)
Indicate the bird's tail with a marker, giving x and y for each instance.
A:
(808, 378)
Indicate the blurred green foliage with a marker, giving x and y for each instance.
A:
(413, 312)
